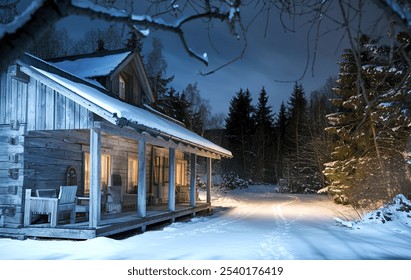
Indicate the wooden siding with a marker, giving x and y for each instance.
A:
(133, 87)
(39, 106)
(13, 99)
(49, 154)
(12, 175)
(50, 110)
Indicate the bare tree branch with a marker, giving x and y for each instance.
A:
(14, 43)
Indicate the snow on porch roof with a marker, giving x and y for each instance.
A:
(88, 67)
(138, 116)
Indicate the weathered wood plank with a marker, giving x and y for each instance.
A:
(60, 115)
(31, 105)
(76, 136)
(48, 143)
(23, 103)
(3, 104)
(59, 232)
(50, 108)
(41, 107)
(12, 216)
(84, 118)
(8, 189)
(172, 180)
(193, 175)
(209, 180)
(142, 186)
(70, 107)
(71, 152)
(13, 94)
(10, 200)
(95, 177)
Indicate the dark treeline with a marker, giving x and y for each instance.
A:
(350, 138)
(288, 147)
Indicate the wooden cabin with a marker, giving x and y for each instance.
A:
(86, 121)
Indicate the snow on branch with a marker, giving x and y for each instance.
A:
(20, 20)
(134, 21)
(399, 9)
(42, 15)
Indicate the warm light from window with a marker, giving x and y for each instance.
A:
(132, 175)
(105, 171)
(122, 88)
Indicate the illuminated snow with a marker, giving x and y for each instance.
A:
(254, 223)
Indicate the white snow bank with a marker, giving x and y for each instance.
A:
(254, 223)
(398, 209)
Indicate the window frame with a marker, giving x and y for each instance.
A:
(130, 187)
(104, 182)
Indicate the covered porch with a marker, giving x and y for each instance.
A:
(112, 224)
(150, 204)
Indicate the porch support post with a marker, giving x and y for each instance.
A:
(208, 180)
(172, 180)
(142, 189)
(95, 177)
(193, 175)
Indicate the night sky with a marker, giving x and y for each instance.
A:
(274, 59)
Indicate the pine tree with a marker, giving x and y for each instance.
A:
(199, 109)
(175, 105)
(239, 130)
(55, 43)
(279, 149)
(299, 169)
(263, 139)
(348, 126)
(320, 141)
(134, 42)
(370, 127)
(156, 67)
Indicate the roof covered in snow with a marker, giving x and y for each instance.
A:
(95, 66)
(114, 110)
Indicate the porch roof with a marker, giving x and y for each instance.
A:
(115, 111)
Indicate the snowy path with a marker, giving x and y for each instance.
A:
(255, 223)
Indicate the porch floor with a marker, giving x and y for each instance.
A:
(111, 224)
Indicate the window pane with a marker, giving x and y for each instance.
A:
(86, 173)
(132, 175)
(105, 171)
(166, 170)
(122, 87)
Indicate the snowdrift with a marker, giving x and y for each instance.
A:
(399, 209)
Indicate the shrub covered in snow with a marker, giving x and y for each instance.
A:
(399, 208)
(233, 181)
(228, 181)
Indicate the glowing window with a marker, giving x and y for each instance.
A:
(105, 171)
(132, 175)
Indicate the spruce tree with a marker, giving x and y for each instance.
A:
(280, 126)
(239, 130)
(299, 170)
(263, 139)
(320, 141)
(370, 127)
(156, 67)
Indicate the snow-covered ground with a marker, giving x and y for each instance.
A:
(255, 223)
